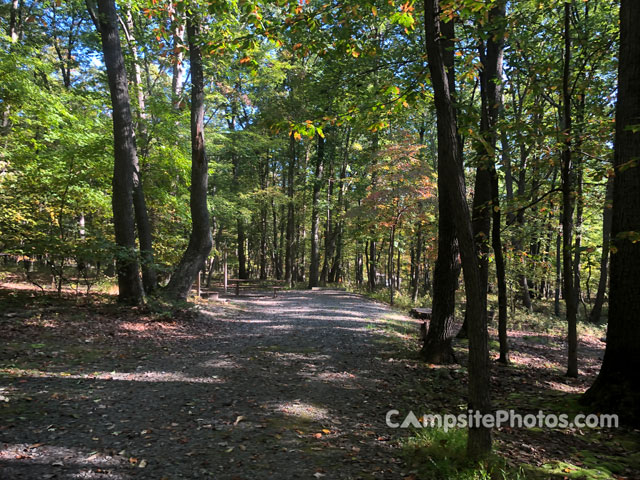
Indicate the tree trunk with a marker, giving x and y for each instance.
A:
(13, 21)
(617, 388)
(200, 241)
(145, 236)
(329, 237)
(263, 223)
(437, 345)
(178, 68)
(314, 265)
(125, 157)
(491, 93)
(392, 236)
(289, 247)
(450, 156)
(415, 266)
(596, 311)
(558, 282)
(569, 293)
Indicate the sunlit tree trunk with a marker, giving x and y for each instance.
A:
(200, 241)
(125, 157)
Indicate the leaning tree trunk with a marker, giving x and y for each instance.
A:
(479, 440)
(596, 311)
(617, 388)
(125, 157)
(200, 241)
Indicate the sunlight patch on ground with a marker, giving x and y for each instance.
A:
(57, 456)
(144, 326)
(220, 363)
(300, 409)
(150, 376)
(563, 387)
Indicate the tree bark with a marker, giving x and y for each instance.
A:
(617, 387)
(437, 345)
(314, 264)
(567, 171)
(125, 157)
(145, 235)
(200, 241)
(450, 156)
(289, 246)
(491, 93)
(415, 265)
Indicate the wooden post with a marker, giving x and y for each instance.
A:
(198, 284)
(224, 268)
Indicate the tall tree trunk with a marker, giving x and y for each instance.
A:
(617, 388)
(579, 199)
(289, 247)
(329, 238)
(392, 236)
(275, 258)
(314, 264)
(437, 345)
(335, 273)
(263, 222)
(178, 68)
(125, 157)
(372, 273)
(145, 235)
(371, 265)
(491, 93)
(450, 156)
(567, 171)
(200, 241)
(596, 311)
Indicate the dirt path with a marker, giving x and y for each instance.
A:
(293, 387)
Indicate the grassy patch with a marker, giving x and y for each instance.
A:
(435, 454)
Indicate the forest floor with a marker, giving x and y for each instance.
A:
(291, 387)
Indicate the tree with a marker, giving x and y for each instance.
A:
(200, 241)
(437, 344)
(617, 387)
(568, 202)
(125, 156)
(450, 155)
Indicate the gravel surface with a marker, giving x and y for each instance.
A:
(285, 388)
